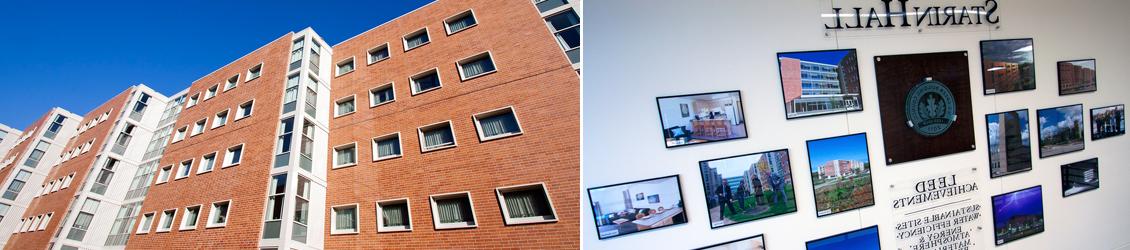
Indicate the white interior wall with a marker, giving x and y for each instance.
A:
(641, 50)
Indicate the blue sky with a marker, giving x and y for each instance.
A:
(76, 55)
(994, 128)
(825, 57)
(1055, 119)
(842, 148)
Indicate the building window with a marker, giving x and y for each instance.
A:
(272, 224)
(453, 211)
(345, 106)
(566, 27)
(296, 54)
(124, 138)
(525, 204)
(497, 124)
(290, 96)
(199, 126)
(207, 163)
(547, 5)
(301, 209)
(425, 81)
(476, 66)
(381, 95)
(211, 92)
(254, 72)
(345, 66)
(145, 223)
(460, 22)
(416, 39)
(436, 136)
(83, 220)
(245, 110)
(67, 180)
(37, 154)
(218, 215)
(102, 180)
(231, 83)
(344, 219)
(345, 155)
(46, 219)
(188, 220)
(393, 216)
(179, 135)
(379, 53)
(386, 146)
(164, 174)
(220, 120)
(17, 185)
(4, 210)
(55, 126)
(192, 101)
(166, 222)
(185, 169)
(233, 156)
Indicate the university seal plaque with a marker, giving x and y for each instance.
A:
(930, 108)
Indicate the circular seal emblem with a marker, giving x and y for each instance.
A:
(930, 108)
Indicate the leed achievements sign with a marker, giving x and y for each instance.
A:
(937, 212)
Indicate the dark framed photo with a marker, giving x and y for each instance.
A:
(1081, 176)
(653, 199)
(841, 173)
(925, 105)
(1076, 76)
(639, 196)
(1018, 214)
(616, 214)
(819, 82)
(756, 242)
(713, 117)
(1010, 148)
(748, 187)
(861, 239)
(1108, 121)
(1008, 65)
(1061, 130)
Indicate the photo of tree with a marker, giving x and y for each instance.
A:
(1108, 121)
(1008, 65)
(1061, 130)
(1010, 149)
(1018, 214)
(841, 173)
(748, 187)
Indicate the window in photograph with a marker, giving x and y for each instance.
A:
(185, 169)
(254, 72)
(393, 216)
(83, 219)
(211, 92)
(379, 53)
(381, 95)
(192, 100)
(46, 219)
(220, 120)
(416, 39)
(566, 27)
(165, 223)
(344, 219)
(145, 223)
(345, 66)
(345, 106)
(497, 124)
(218, 215)
(103, 178)
(17, 185)
(276, 192)
(526, 204)
(245, 110)
(190, 217)
(436, 136)
(232, 83)
(454, 210)
(207, 163)
(425, 81)
(820, 82)
(301, 210)
(386, 146)
(233, 156)
(179, 135)
(460, 22)
(57, 124)
(164, 174)
(37, 153)
(345, 155)
(476, 66)
(199, 126)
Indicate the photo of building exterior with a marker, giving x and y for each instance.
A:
(1018, 214)
(1076, 76)
(1008, 65)
(1081, 176)
(1061, 130)
(748, 187)
(1010, 148)
(25, 168)
(820, 82)
(1108, 121)
(841, 173)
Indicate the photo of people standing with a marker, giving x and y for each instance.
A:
(748, 187)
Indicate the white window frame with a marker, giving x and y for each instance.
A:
(228, 80)
(531, 220)
(435, 211)
(192, 100)
(161, 221)
(212, 215)
(216, 118)
(404, 38)
(420, 132)
(184, 218)
(381, 228)
(200, 125)
(146, 222)
(412, 81)
(447, 21)
(46, 219)
(369, 53)
(251, 76)
(215, 156)
(479, 127)
(333, 219)
(399, 144)
(167, 177)
(352, 98)
(214, 90)
(486, 54)
(388, 85)
(67, 180)
(180, 134)
(337, 66)
(180, 169)
(337, 165)
(239, 109)
(228, 152)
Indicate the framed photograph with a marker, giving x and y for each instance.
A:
(861, 239)
(1061, 130)
(1018, 214)
(639, 196)
(1108, 121)
(653, 199)
(756, 242)
(748, 187)
(686, 110)
(1080, 176)
(1076, 76)
(1010, 148)
(925, 105)
(712, 117)
(617, 214)
(1008, 65)
(841, 173)
(819, 82)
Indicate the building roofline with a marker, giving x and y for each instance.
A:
(241, 57)
(386, 22)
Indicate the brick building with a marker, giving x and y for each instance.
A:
(28, 164)
(8, 137)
